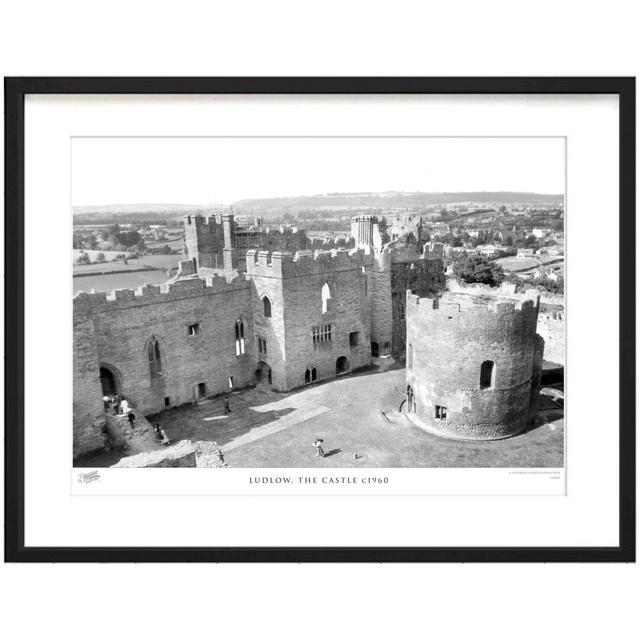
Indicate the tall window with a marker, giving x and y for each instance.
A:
(409, 356)
(266, 305)
(239, 337)
(326, 297)
(155, 362)
(262, 346)
(486, 374)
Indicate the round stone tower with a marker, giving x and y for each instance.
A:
(473, 362)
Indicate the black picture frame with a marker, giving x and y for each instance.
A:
(15, 91)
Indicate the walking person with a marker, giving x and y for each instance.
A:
(227, 408)
(318, 445)
(131, 418)
(118, 401)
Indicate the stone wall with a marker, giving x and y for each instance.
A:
(449, 339)
(114, 332)
(294, 286)
(551, 326)
(88, 407)
(422, 276)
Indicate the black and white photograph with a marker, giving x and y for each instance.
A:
(318, 302)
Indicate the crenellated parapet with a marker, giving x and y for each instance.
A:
(284, 264)
(477, 299)
(185, 286)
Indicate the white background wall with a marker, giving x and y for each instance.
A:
(328, 38)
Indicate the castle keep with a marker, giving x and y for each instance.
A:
(474, 362)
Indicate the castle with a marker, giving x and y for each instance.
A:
(248, 305)
(474, 362)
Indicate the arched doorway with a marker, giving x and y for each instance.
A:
(109, 380)
(263, 373)
(342, 365)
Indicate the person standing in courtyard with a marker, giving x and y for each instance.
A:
(318, 445)
(227, 408)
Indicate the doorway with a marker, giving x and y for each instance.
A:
(263, 373)
(342, 365)
(374, 349)
(109, 381)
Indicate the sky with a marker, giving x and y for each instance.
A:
(223, 170)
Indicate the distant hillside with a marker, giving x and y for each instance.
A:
(393, 199)
(133, 213)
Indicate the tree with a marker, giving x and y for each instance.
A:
(100, 257)
(475, 268)
(83, 258)
(167, 249)
(128, 238)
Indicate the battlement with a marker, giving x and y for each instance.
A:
(476, 299)
(185, 285)
(284, 264)
(200, 221)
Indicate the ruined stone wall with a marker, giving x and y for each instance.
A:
(379, 290)
(294, 285)
(422, 276)
(88, 408)
(448, 339)
(124, 323)
(204, 240)
(551, 326)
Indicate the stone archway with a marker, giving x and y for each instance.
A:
(110, 380)
(263, 373)
(342, 365)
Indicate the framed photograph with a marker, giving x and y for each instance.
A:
(320, 319)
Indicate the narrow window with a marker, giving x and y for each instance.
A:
(326, 297)
(230, 382)
(194, 329)
(155, 362)
(239, 337)
(409, 356)
(266, 305)
(411, 400)
(486, 374)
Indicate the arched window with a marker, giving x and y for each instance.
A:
(155, 361)
(486, 374)
(239, 337)
(307, 376)
(314, 374)
(411, 403)
(326, 297)
(266, 305)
